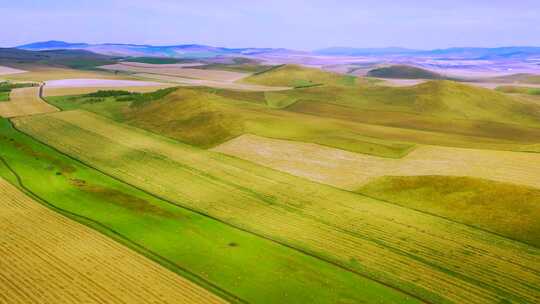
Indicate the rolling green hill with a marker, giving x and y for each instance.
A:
(404, 72)
(371, 119)
(442, 106)
(299, 77)
(208, 117)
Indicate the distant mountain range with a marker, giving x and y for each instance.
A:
(136, 50)
(205, 51)
(450, 53)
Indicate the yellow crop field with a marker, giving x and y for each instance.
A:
(23, 102)
(86, 90)
(48, 258)
(176, 70)
(350, 170)
(208, 83)
(424, 256)
(40, 74)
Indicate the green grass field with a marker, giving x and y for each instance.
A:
(225, 260)
(452, 263)
(506, 209)
(4, 96)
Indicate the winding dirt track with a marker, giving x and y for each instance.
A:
(23, 102)
(47, 258)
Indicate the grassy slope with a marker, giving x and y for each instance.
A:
(215, 252)
(518, 90)
(507, 209)
(449, 259)
(404, 72)
(441, 106)
(440, 112)
(208, 117)
(297, 76)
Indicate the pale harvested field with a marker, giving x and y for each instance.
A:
(350, 170)
(84, 86)
(177, 70)
(40, 74)
(209, 83)
(9, 71)
(48, 258)
(493, 85)
(23, 102)
(163, 66)
(429, 257)
(80, 91)
(401, 82)
(89, 83)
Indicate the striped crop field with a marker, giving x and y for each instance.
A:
(350, 170)
(23, 102)
(48, 258)
(426, 257)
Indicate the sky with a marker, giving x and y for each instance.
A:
(302, 25)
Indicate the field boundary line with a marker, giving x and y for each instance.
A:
(125, 241)
(303, 251)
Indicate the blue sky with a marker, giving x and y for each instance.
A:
(293, 24)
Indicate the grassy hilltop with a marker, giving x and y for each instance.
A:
(404, 72)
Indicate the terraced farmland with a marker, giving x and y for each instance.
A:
(23, 102)
(432, 259)
(47, 258)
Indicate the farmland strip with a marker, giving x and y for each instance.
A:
(51, 257)
(452, 263)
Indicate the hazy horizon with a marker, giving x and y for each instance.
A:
(285, 24)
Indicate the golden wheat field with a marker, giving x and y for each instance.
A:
(349, 170)
(23, 102)
(424, 256)
(48, 258)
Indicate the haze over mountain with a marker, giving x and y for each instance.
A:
(178, 51)
(205, 51)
